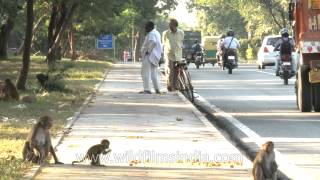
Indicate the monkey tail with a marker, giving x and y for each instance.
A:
(27, 152)
(73, 162)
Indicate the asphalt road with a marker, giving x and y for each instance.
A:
(262, 108)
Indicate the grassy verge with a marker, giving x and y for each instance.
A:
(16, 118)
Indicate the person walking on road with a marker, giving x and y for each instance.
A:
(172, 40)
(151, 53)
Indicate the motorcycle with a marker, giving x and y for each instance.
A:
(230, 60)
(189, 58)
(285, 71)
(198, 59)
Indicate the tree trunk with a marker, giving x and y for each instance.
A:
(4, 36)
(22, 79)
(137, 46)
(35, 28)
(51, 28)
(58, 35)
(72, 43)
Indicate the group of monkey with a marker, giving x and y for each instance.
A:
(8, 92)
(38, 146)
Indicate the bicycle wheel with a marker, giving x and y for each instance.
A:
(188, 92)
(180, 84)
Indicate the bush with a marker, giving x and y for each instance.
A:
(243, 48)
(249, 48)
(250, 54)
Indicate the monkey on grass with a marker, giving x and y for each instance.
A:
(38, 144)
(264, 165)
(43, 80)
(8, 91)
(95, 151)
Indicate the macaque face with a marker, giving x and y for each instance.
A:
(270, 148)
(49, 124)
(106, 143)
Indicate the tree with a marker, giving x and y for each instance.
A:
(8, 12)
(34, 30)
(146, 10)
(22, 79)
(264, 17)
(217, 16)
(253, 17)
(61, 15)
(277, 10)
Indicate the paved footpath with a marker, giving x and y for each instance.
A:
(152, 137)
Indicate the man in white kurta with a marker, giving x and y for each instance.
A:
(151, 53)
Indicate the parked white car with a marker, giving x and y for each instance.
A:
(266, 55)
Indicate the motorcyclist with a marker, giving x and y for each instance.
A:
(231, 43)
(196, 47)
(284, 37)
(220, 48)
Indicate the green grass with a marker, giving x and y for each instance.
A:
(16, 118)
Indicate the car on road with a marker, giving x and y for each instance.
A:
(266, 55)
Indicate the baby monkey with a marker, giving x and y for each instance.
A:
(264, 165)
(95, 151)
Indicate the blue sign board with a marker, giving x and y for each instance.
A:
(105, 42)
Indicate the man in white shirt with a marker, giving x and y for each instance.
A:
(231, 43)
(151, 53)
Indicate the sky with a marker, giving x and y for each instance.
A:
(182, 15)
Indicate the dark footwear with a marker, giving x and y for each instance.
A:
(158, 92)
(145, 92)
(169, 88)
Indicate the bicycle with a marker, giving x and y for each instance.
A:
(183, 80)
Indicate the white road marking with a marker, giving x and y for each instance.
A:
(264, 72)
(285, 165)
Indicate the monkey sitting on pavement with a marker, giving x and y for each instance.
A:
(38, 144)
(264, 165)
(8, 91)
(94, 152)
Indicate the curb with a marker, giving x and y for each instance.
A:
(36, 169)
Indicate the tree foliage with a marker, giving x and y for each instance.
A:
(65, 27)
(250, 18)
(9, 10)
